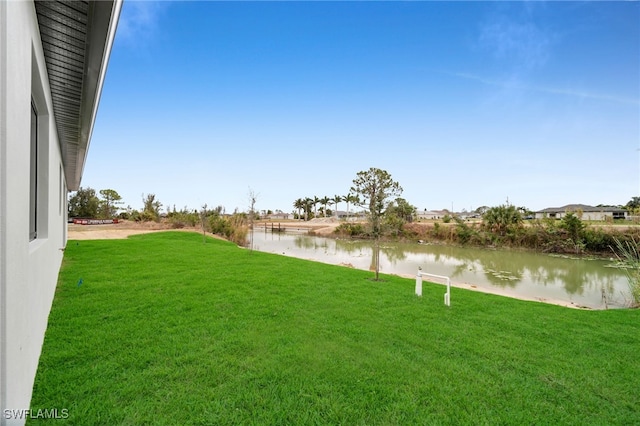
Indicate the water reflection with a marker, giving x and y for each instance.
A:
(520, 274)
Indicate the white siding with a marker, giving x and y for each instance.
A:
(28, 270)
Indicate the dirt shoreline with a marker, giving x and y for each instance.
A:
(125, 229)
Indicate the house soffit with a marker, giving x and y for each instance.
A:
(76, 40)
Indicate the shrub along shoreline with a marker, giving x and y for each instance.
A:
(164, 328)
(566, 236)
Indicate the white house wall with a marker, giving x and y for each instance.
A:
(28, 269)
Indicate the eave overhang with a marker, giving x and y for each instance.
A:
(77, 37)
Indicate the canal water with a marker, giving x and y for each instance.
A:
(586, 283)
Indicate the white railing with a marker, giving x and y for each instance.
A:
(447, 295)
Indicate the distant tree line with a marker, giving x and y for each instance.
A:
(388, 216)
(85, 203)
(503, 226)
(307, 207)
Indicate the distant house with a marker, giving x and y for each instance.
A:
(431, 214)
(585, 212)
(53, 60)
(280, 215)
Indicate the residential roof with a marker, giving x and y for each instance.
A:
(583, 207)
(76, 38)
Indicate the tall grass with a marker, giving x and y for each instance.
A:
(163, 329)
(628, 253)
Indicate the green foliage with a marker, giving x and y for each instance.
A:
(464, 232)
(166, 326)
(219, 225)
(375, 187)
(299, 206)
(84, 203)
(324, 201)
(446, 218)
(398, 213)
(628, 253)
(109, 203)
(351, 199)
(147, 216)
(633, 204)
(337, 199)
(544, 235)
(502, 220)
(596, 240)
(234, 228)
(574, 227)
(151, 209)
(183, 218)
(308, 205)
(350, 229)
(436, 230)
(402, 209)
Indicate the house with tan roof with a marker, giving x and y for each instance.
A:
(584, 212)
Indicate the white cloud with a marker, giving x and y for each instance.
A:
(138, 23)
(513, 84)
(521, 45)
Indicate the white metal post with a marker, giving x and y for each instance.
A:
(447, 295)
(419, 284)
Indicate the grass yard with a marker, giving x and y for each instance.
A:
(164, 329)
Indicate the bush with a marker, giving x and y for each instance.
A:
(464, 232)
(596, 240)
(350, 229)
(219, 225)
(183, 218)
(232, 228)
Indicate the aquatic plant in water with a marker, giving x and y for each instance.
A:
(628, 254)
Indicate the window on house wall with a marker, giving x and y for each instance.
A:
(39, 179)
(61, 196)
(33, 176)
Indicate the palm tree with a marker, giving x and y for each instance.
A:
(324, 201)
(502, 218)
(351, 198)
(307, 207)
(315, 202)
(336, 199)
(298, 205)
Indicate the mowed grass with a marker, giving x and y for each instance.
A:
(165, 329)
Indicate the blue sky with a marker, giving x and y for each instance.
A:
(465, 104)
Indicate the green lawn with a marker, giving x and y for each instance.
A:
(164, 329)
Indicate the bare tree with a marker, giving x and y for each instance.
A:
(252, 205)
(203, 217)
